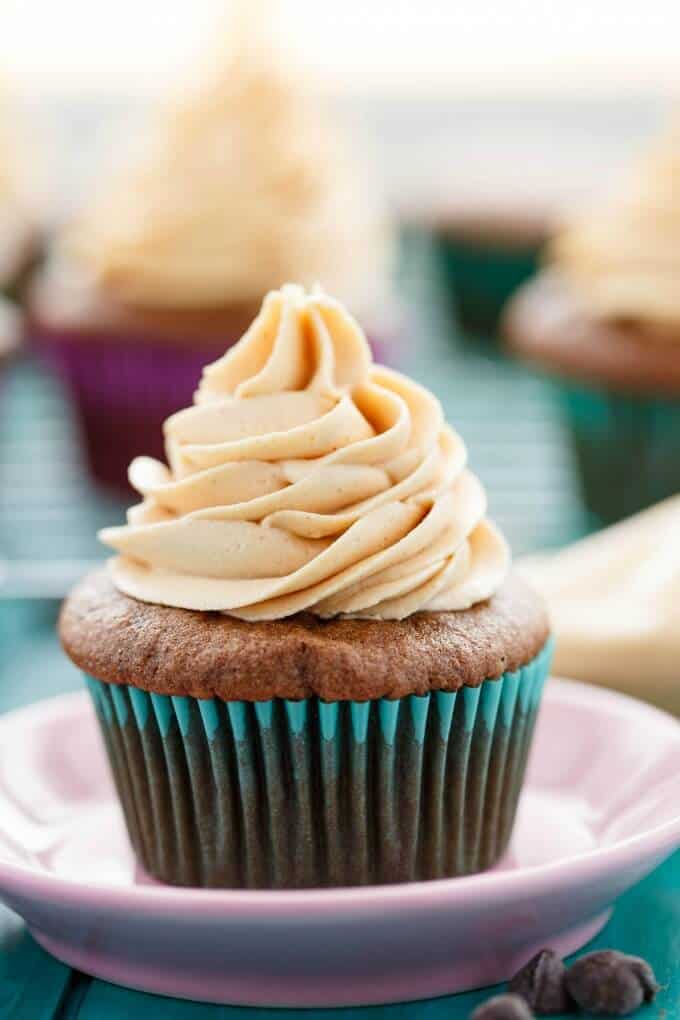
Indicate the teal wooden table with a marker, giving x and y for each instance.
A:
(48, 518)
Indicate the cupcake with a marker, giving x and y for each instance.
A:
(614, 599)
(604, 318)
(243, 185)
(485, 253)
(309, 660)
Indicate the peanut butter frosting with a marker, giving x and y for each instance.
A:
(624, 260)
(305, 477)
(244, 185)
(614, 602)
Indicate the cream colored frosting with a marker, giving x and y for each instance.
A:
(624, 259)
(244, 186)
(305, 477)
(614, 599)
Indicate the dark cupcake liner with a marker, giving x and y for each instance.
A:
(295, 794)
(480, 279)
(123, 389)
(627, 449)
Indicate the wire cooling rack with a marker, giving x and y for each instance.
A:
(50, 513)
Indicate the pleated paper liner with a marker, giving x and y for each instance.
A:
(627, 449)
(296, 794)
(481, 278)
(123, 388)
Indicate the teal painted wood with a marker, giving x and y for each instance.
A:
(33, 985)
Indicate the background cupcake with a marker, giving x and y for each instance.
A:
(243, 185)
(605, 318)
(308, 660)
(485, 253)
(614, 603)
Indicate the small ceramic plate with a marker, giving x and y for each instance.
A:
(600, 809)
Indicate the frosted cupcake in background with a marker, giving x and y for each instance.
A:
(486, 253)
(310, 660)
(604, 317)
(244, 184)
(614, 599)
(498, 194)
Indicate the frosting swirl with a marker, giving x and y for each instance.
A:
(625, 260)
(274, 196)
(307, 478)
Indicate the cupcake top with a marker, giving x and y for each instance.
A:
(614, 599)
(307, 478)
(244, 186)
(623, 260)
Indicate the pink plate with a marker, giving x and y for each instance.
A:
(599, 811)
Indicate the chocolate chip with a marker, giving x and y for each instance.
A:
(540, 983)
(611, 983)
(503, 1007)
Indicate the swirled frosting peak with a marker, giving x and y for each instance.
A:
(624, 259)
(244, 183)
(305, 477)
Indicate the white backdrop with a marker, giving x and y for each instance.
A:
(501, 44)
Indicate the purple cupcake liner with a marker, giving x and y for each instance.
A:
(124, 387)
(123, 390)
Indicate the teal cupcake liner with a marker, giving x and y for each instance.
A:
(627, 449)
(296, 794)
(481, 278)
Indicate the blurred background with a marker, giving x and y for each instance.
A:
(474, 129)
(507, 115)
(446, 97)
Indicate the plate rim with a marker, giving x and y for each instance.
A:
(531, 880)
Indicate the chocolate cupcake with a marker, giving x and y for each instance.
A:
(243, 186)
(309, 661)
(604, 319)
